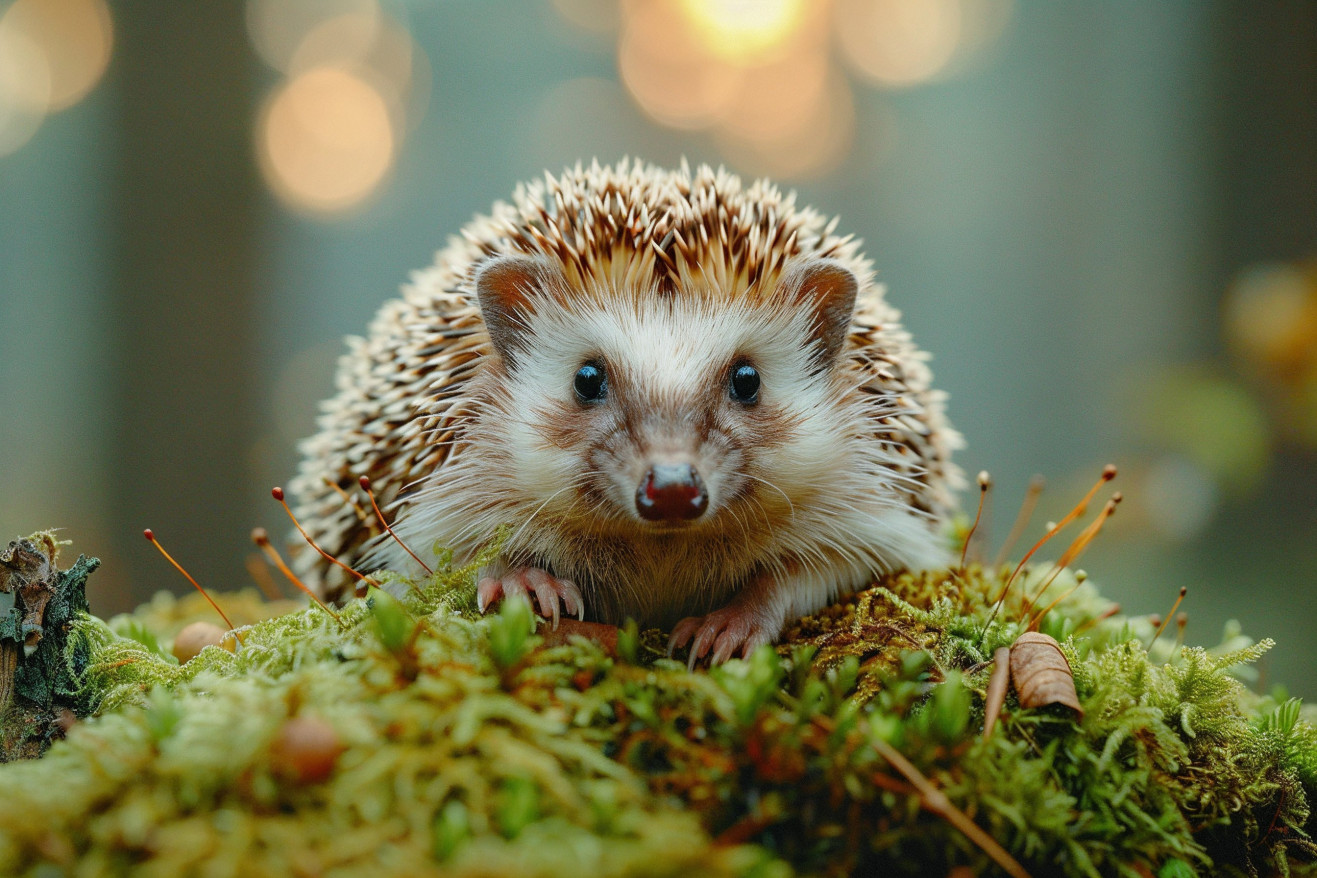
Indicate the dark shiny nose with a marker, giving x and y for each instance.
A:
(671, 492)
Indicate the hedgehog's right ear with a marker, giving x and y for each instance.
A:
(507, 288)
(828, 288)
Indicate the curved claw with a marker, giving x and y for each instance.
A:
(571, 598)
(728, 646)
(551, 594)
(733, 630)
(711, 628)
(546, 597)
(488, 591)
(682, 633)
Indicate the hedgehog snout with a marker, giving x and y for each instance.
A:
(671, 492)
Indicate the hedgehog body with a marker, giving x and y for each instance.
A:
(686, 396)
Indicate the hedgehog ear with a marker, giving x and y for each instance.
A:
(829, 288)
(507, 287)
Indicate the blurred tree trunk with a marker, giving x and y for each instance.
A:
(1268, 139)
(184, 213)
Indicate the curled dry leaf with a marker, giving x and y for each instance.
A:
(1041, 674)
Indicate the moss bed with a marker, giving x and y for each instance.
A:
(469, 746)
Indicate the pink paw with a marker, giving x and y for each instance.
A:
(730, 631)
(549, 591)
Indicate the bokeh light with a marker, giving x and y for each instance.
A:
(327, 139)
(796, 144)
(343, 38)
(1210, 420)
(277, 28)
(668, 68)
(75, 36)
(370, 43)
(744, 30)
(773, 99)
(756, 74)
(898, 42)
(760, 75)
(1271, 319)
(356, 82)
(52, 53)
(1270, 323)
(25, 88)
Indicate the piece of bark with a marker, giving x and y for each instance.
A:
(39, 683)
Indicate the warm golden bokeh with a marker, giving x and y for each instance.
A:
(327, 139)
(350, 37)
(1271, 319)
(801, 144)
(25, 88)
(331, 131)
(1270, 323)
(760, 75)
(278, 28)
(668, 68)
(773, 99)
(745, 31)
(52, 53)
(757, 75)
(75, 36)
(898, 42)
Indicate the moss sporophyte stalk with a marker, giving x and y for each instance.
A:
(419, 738)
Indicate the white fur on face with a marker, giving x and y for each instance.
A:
(797, 484)
(669, 362)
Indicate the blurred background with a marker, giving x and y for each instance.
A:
(1100, 217)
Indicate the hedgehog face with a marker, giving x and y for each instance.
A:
(646, 413)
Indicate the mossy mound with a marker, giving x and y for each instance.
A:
(461, 745)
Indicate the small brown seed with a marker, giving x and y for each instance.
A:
(189, 642)
(305, 750)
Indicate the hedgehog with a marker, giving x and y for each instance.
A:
(683, 400)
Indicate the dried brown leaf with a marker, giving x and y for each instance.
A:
(1041, 673)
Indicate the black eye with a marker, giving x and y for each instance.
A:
(590, 384)
(745, 384)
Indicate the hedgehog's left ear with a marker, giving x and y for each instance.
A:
(829, 289)
(507, 287)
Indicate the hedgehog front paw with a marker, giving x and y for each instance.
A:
(549, 591)
(735, 629)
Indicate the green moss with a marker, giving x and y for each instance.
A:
(470, 747)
